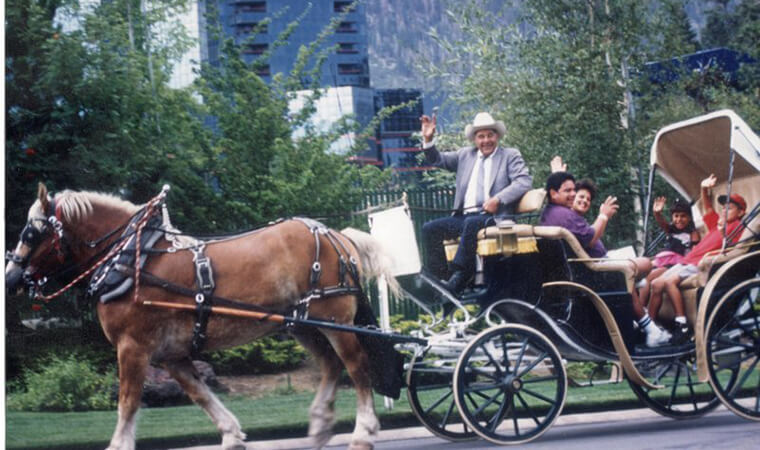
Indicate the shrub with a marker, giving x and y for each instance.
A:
(64, 383)
(266, 355)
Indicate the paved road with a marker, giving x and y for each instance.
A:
(638, 429)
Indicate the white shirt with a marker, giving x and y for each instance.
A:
(472, 185)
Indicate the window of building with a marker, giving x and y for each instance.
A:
(349, 69)
(255, 49)
(249, 6)
(346, 27)
(347, 47)
(248, 28)
(341, 6)
(263, 71)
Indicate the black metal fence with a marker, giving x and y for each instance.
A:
(424, 205)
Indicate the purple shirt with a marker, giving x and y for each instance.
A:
(562, 216)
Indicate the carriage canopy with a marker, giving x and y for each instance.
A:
(686, 152)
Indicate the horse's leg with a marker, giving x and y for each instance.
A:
(188, 377)
(322, 410)
(133, 363)
(355, 359)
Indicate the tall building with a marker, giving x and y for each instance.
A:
(394, 136)
(335, 103)
(244, 21)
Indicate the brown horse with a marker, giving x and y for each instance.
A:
(269, 268)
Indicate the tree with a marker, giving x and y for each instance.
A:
(568, 78)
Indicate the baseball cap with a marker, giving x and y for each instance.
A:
(736, 199)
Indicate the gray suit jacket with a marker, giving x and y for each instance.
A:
(509, 180)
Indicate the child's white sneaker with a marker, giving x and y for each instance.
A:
(657, 337)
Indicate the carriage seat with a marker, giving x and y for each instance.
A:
(692, 286)
(626, 267)
(504, 238)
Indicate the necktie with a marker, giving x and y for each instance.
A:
(479, 194)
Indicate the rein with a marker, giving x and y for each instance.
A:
(149, 209)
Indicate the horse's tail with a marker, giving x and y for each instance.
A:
(376, 261)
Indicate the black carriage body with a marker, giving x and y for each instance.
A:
(570, 321)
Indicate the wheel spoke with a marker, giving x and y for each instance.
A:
(514, 416)
(486, 404)
(497, 418)
(493, 361)
(446, 416)
(675, 385)
(503, 339)
(528, 409)
(539, 396)
(690, 384)
(744, 377)
(523, 349)
(539, 379)
(535, 362)
(433, 387)
(437, 402)
(479, 371)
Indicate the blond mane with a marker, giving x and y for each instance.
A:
(76, 206)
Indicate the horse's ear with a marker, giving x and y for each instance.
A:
(42, 195)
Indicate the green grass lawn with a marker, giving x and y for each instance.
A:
(262, 418)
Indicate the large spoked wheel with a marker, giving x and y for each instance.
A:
(683, 396)
(733, 349)
(431, 396)
(510, 384)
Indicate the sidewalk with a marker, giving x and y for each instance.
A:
(418, 432)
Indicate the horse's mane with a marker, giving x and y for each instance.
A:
(76, 206)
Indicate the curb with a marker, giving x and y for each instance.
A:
(421, 432)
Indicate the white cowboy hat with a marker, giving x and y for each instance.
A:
(484, 121)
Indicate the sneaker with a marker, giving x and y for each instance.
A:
(658, 337)
(681, 335)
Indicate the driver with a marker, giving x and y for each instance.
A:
(490, 180)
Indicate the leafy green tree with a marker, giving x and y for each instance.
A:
(569, 79)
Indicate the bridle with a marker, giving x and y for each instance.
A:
(31, 236)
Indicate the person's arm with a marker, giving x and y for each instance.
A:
(695, 237)
(446, 160)
(659, 205)
(608, 209)
(706, 193)
(520, 180)
(557, 165)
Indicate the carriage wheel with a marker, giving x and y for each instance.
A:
(510, 384)
(683, 396)
(733, 347)
(431, 397)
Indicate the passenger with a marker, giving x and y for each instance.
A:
(716, 223)
(681, 236)
(585, 189)
(560, 187)
(490, 180)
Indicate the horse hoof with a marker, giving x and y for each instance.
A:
(239, 446)
(361, 445)
(319, 440)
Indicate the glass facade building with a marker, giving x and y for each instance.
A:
(397, 146)
(347, 62)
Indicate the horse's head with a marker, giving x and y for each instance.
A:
(40, 245)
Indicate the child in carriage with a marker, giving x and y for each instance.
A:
(729, 219)
(680, 234)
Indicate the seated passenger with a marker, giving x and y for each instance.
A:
(716, 224)
(490, 180)
(680, 235)
(585, 189)
(560, 187)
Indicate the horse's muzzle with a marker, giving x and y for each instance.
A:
(13, 274)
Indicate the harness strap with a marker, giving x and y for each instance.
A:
(204, 277)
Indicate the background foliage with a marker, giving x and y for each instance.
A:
(569, 79)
